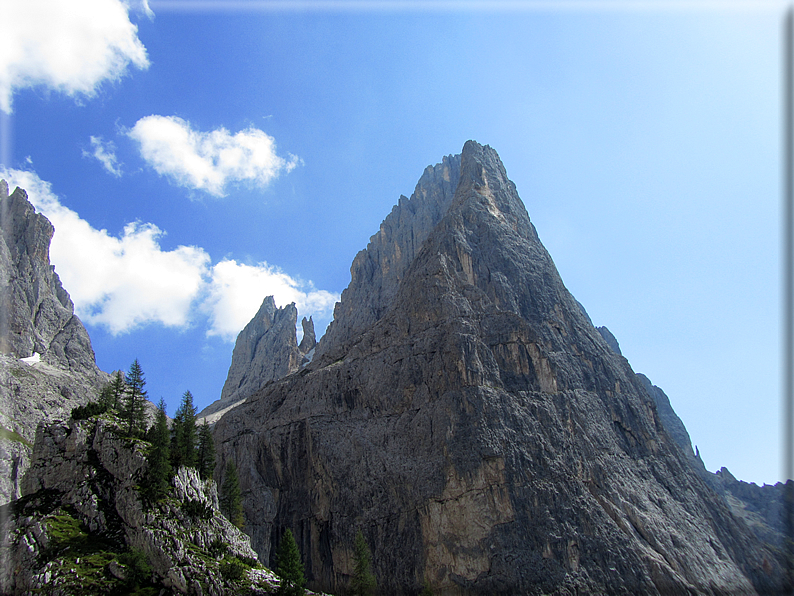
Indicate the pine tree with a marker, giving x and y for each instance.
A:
(206, 452)
(363, 581)
(135, 401)
(184, 433)
(158, 475)
(117, 390)
(231, 500)
(106, 397)
(289, 566)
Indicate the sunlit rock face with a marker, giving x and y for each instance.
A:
(466, 416)
(47, 364)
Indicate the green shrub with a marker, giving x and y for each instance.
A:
(218, 548)
(139, 571)
(89, 410)
(233, 569)
(197, 510)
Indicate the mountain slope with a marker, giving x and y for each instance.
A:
(480, 432)
(37, 323)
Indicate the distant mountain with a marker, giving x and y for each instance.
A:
(47, 365)
(266, 349)
(465, 415)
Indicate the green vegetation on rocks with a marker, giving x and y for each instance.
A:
(13, 436)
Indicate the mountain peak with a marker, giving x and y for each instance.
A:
(471, 422)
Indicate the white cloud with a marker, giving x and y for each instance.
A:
(119, 282)
(129, 281)
(208, 160)
(236, 292)
(70, 47)
(105, 153)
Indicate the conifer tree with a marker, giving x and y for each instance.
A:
(184, 433)
(289, 567)
(231, 500)
(206, 452)
(363, 581)
(118, 388)
(158, 475)
(135, 401)
(106, 397)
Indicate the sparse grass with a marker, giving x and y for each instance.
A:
(82, 560)
(14, 436)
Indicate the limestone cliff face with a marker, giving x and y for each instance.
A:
(266, 349)
(467, 417)
(37, 322)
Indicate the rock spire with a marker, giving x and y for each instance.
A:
(464, 414)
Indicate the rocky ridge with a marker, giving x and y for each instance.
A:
(464, 413)
(47, 364)
(82, 512)
(265, 350)
(762, 508)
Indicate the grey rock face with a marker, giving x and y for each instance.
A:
(86, 470)
(377, 271)
(265, 350)
(37, 313)
(610, 339)
(672, 423)
(763, 508)
(466, 416)
(309, 340)
(36, 317)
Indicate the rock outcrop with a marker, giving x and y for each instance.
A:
(761, 508)
(47, 365)
(266, 350)
(81, 522)
(465, 415)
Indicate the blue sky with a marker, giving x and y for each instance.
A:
(196, 157)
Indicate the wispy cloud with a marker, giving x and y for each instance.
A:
(122, 282)
(105, 153)
(69, 47)
(208, 161)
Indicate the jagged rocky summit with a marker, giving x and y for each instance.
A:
(266, 349)
(465, 415)
(47, 364)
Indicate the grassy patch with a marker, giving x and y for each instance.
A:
(81, 561)
(14, 436)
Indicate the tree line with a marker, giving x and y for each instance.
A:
(184, 443)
